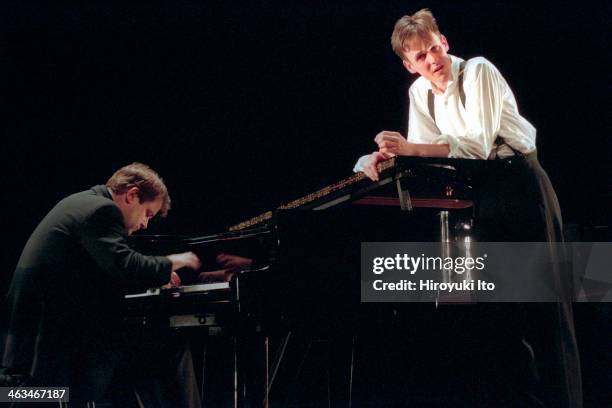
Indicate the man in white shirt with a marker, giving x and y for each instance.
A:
(464, 127)
(465, 109)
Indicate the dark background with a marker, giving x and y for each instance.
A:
(244, 105)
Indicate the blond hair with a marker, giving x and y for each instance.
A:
(150, 184)
(421, 24)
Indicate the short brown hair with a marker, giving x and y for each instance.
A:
(420, 24)
(150, 184)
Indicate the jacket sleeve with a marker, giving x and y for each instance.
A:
(103, 236)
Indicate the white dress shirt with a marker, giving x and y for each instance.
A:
(470, 131)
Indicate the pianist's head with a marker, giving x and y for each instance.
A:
(140, 194)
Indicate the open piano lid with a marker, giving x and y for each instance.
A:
(431, 182)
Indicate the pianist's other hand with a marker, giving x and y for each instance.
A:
(370, 167)
(234, 263)
(221, 275)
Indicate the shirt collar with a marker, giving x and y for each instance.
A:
(455, 63)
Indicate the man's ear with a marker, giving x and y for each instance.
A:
(444, 42)
(408, 66)
(132, 195)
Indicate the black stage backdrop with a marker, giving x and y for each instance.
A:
(244, 105)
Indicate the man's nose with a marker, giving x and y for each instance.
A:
(431, 58)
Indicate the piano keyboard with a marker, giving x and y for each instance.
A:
(198, 305)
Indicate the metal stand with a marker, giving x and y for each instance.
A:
(275, 366)
(352, 369)
(404, 196)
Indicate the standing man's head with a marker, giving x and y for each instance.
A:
(417, 41)
(140, 194)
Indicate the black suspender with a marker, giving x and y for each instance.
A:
(430, 95)
(430, 105)
(432, 112)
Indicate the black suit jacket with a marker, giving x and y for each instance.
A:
(64, 306)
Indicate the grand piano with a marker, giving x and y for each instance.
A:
(306, 252)
(304, 281)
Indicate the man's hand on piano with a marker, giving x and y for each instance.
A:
(370, 167)
(185, 260)
(393, 143)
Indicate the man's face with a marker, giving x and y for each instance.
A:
(136, 215)
(428, 57)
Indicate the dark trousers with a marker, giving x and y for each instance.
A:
(144, 368)
(520, 204)
(156, 371)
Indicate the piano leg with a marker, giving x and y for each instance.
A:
(203, 381)
(444, 232)
(267, 384)
(235, 374)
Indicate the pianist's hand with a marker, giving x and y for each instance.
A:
(370, 166)
(233, 263)
(185, 260)
(175, 281)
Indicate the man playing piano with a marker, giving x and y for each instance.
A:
(64, 320)
(465, 109)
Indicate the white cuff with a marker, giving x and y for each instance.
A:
(360, 163)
